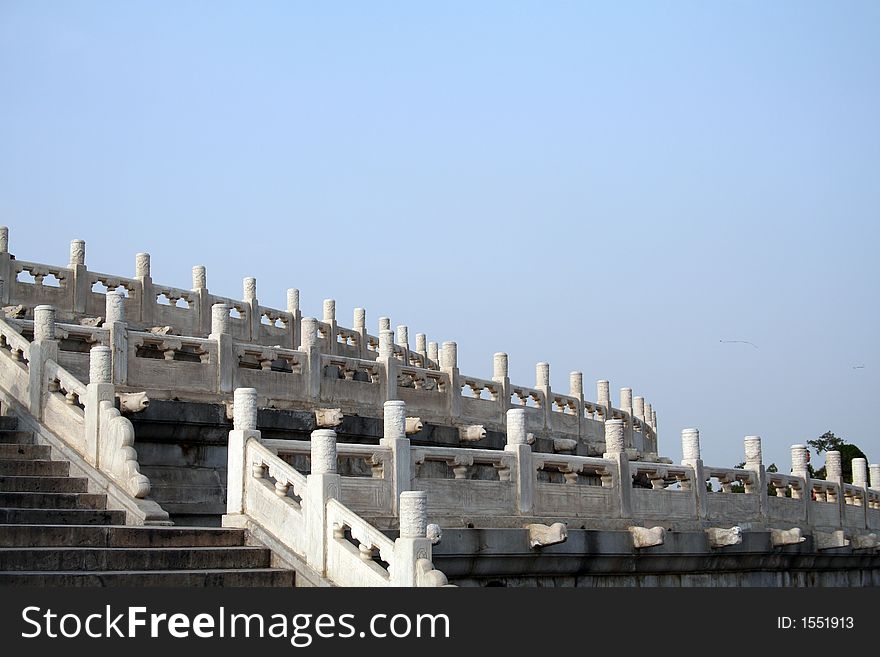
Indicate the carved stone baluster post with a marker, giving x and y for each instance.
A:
(860, 472)
(252, 308)
(833, 467)
(690, 449)
(639, 414)
(402, 341)
(321, 485)
(525, 475)
(834, 472)
(202, 299)
(79, 277)
(603, 397)
(332, 326)
(388, 363)
(500, 376)
(99, 389)
(244, 427)
(144, 306)
(115, 321)
(43, 349)
(799, 461)
(294, 318)
(360, 326)
(615, 450)
(860, 479)
(576, 390)
(422, 345)
(227, 366)
(875, 475)
(542, 383)
(413, 544)
(309, 331)
(639, 408)
(6, 276)
(434, 353)
(626, 405)
(394, 436)
(755, 463)
(449, 364)
(650, 442)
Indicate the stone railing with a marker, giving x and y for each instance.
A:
(368, 488)
(174, 366)
(303, 518)
(515, 485)
(78, 420)
(246, 344)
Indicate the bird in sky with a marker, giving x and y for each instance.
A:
(739, 342)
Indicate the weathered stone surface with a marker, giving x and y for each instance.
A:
(829, 540)
(133, 402)
(413, 425)
(780, 537)
(161, 330)
(472, 433)
(644, 537)
(544, 535)
(720, 537)
(434, 533)
(91, 321)
(564, 445)
(15, 312)
(864, 541)
(328, 418)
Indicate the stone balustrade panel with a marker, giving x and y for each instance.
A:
(352, 382)
(452, 488)
(365, 472)
(169, 362)
(575, 486)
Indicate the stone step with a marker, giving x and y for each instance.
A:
(44, 484)
(7, 422)
(25, 452)
(60, 517)
(35, 500)
(165, 558)
(117, 536)
(257, 577)
(17, 437)
(34, 468)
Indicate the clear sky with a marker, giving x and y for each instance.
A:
(613, 188)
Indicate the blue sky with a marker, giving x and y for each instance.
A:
(613, 188)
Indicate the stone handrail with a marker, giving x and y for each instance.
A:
(11, 339)
(142, 309)
(729, 476)
(786, 485)
(572, 466)
(82, 417)
(348, 565)
(304, 516)
(368, 493)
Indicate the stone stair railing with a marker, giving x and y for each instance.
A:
(80, 421)
(240, 343)
(303, 513)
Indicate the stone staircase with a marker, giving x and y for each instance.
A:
(55, 533)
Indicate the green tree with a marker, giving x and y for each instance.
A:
(848, 451)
